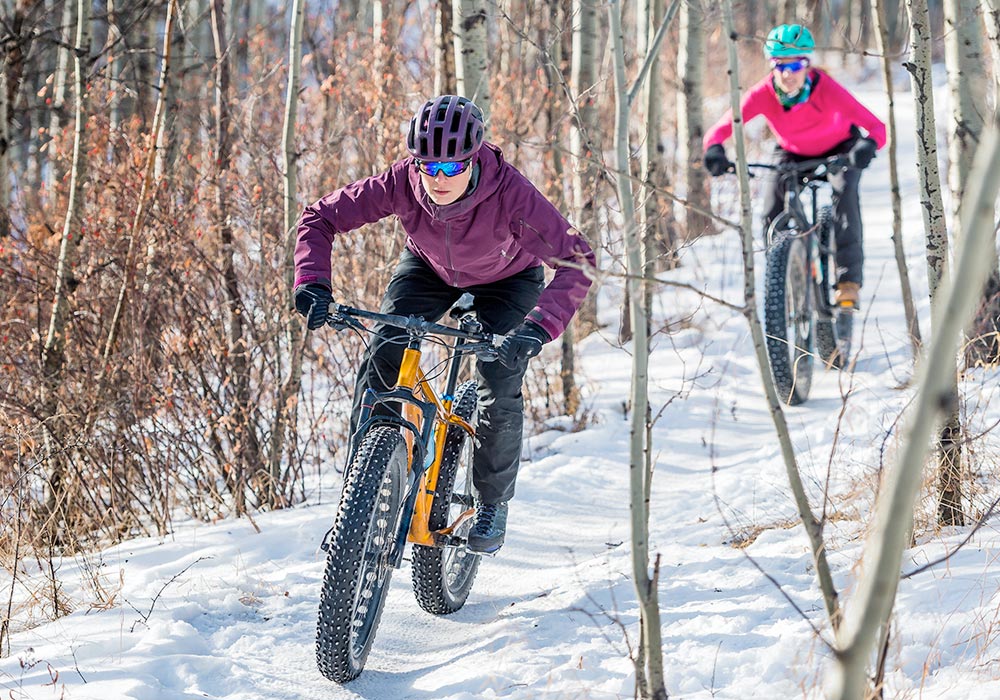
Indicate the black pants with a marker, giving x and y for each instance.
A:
(846, 209)
(415, 289)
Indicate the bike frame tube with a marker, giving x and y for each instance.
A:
(424, 423)
(419, 533)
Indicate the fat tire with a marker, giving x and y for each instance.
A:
(833, 335)
(377, 477)
(790, 354)
(443, 576)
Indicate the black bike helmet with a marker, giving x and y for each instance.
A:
(446, 128)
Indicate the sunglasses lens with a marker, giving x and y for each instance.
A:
(449, 168)
(791, 66)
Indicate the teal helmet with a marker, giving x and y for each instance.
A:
(788, 40)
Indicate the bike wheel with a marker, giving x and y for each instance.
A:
(833, 334)
(443, 576)
(788, 312)
(358, 566)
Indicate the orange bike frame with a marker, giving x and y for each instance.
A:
(412, 378)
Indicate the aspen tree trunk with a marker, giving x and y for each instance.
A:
(554, 109)
(690, 123)
(984, 346)
(114, 68)
(991, 19)
(286, 419)
(148, 186)
(649, 670)
(53, 352)
(909, 308)
(931, 202)
(247, 447)
(144, 67)
(890, 533)
(963, 52)
(949, 464)
(58, 113)
(963, 58)
(812, 525)
(4, 151)
(472, 53)
(176, 125)
(655, 220)
(657, 213)
(444, 49)
(584, 144)
(649, 15)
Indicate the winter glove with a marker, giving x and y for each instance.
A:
(313, 301)
(523, 343)
(862, 152)
(716, 162)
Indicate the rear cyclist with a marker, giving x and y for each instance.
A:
(473, 224)
(812, 116)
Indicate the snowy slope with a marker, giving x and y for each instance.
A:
(222, 611)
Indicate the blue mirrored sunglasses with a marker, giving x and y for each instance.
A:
(791, 66)
(449, 168)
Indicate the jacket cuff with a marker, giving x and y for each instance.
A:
(313, 279)
(539, 318)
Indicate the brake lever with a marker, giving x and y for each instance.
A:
(339, 321)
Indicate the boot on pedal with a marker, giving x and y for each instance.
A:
(488, 532)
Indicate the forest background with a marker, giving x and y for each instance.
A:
(152, 164)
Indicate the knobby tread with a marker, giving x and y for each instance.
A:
(791, 369)
(381, 456)
(828, 345)
(430, 580)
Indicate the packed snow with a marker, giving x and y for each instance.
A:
(224, 611)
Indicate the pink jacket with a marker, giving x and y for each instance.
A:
(810, 128)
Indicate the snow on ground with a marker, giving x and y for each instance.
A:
(222, 611)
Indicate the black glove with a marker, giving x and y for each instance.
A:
(313, 301)
(523, 343)
(715, 160)
(861, 153)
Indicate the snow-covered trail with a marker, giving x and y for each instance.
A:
(221, 611)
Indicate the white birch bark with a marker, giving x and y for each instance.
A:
(286, 412)
(932, 205)
(471, 53)
(58, 112)
(963, 52)
(991, 19)
(4, 153)
(142, 208)
(53, 352)
(813, 527)
(690, 123)
(909, 308)
(984, 348)
(584, 145)
(650, 676)
(444, 49)
(956, 301)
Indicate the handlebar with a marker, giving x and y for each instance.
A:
(477, 341)
(832, 164)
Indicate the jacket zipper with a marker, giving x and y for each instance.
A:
(447, 247)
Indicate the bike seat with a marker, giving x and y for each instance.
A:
(464, 305)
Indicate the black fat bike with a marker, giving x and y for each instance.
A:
(408, 479)
(801, 321)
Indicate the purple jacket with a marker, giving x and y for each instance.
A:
(503, 227)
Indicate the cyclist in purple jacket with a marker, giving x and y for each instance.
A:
(473, 224)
